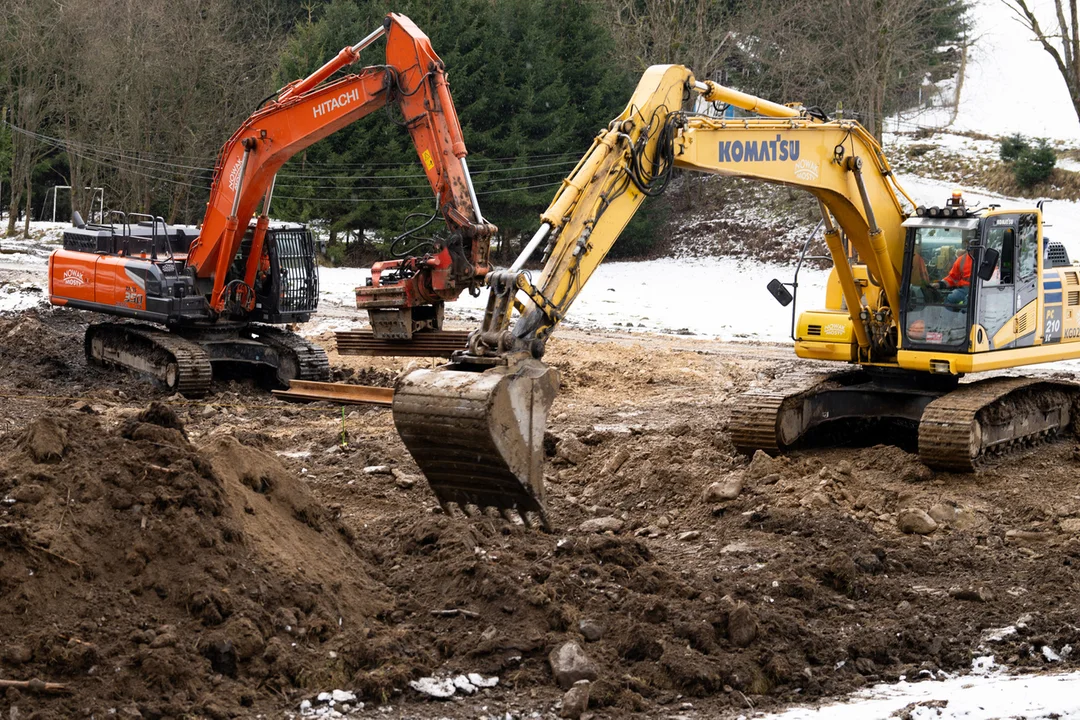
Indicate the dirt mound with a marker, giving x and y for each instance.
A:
(145, 572)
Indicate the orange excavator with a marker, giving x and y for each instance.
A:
(220, 288)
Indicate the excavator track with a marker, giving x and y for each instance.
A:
(180, 365)
(299, 359)
(769, 418)
(992, 417)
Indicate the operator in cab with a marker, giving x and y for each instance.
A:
(959, 278)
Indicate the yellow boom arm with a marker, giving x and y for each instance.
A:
(836, 161)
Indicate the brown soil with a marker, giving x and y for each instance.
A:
(230, 557)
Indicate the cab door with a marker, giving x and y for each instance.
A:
(995, 302)
(1027, 278)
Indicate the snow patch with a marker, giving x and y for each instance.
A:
(960, 698)
(446, 688)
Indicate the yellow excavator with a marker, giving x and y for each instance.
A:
(917, 298)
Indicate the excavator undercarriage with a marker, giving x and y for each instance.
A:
(186, 359)
(959, 424)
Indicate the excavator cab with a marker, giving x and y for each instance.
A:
(936, 291)
(969, 281)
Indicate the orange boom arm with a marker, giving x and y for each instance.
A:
(310, 109)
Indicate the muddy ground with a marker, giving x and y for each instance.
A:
(231, 557)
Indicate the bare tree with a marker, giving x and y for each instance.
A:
(861, 52)
(1059, 37)
(147, 92)
(697, 33)
(27, 44)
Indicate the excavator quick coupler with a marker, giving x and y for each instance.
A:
(478, 437)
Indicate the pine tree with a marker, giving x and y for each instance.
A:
(532, 82)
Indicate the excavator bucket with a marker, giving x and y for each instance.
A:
(478, 437)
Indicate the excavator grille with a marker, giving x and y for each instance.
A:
(296, 282)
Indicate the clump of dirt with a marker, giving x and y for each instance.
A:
(44, 346)
(146, 572)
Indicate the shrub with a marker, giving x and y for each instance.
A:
(1034, 165)
(1012, 147)
(335, 254)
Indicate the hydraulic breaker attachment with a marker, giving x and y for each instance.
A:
(478, 437)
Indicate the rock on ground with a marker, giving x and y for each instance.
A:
(572, 450)
(590, 630)
(45, 440)
(943, 513)
(742, 625)
(913, 520)
(723, 490)
(569, 664)
(760, 466)
(602, 524)
(616, 461)
(575, 701)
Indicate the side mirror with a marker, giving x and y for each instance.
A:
(989, 263)
(778, 291)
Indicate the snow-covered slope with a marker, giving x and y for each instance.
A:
(1011, 84)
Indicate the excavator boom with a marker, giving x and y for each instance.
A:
(310, 109)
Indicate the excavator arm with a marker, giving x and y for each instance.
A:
(501, 390)
(308, 110)
(838, 162)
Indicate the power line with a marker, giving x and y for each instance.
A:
(421, 175)
(394, 200)
(140, 172)
(408, 187)
(146, 156)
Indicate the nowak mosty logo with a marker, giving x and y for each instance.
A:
(778, 150)
(234, 174)
(74, 277)
(345, 98)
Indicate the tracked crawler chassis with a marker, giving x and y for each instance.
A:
(183, 360)
(154, 285)
(960, 424)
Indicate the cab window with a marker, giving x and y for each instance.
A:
(1002, 239)
(938, 316)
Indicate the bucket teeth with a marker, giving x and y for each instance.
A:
(478, 437)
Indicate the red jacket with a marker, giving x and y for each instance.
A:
(960, 275)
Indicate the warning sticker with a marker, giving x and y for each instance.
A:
(429, 162)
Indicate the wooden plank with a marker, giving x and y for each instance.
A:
(341, 393)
